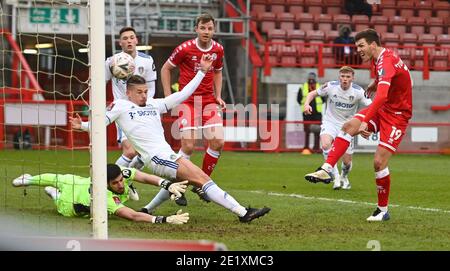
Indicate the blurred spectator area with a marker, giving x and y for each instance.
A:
(297, 28)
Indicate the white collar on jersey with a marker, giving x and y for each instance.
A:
(201, 49)
(382, 52)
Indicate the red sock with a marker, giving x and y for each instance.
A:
(383, 187)
(210, 160)
(338, 149)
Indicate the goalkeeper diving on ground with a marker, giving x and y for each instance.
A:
(72, 196)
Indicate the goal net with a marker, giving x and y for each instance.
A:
(47, 63)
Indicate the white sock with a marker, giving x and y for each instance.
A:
(346, 169)
(325, 154)
(335, 171)
(222, 198)
(123, 161)
(180, 152)
(213, 153)
(383, 209)
(162, 196)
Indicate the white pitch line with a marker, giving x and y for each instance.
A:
(299, 196)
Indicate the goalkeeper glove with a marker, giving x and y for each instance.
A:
(176, 189)
(176, 219)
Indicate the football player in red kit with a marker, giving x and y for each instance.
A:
(388, 114)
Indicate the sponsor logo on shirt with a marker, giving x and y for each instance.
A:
(117, 200)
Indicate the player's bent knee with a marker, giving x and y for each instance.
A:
(378, 164)
(350, 128)
(216, 144)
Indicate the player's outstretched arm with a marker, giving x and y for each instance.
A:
(176, 98)
(307, 109)
(130, 214)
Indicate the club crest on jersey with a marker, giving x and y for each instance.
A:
(110, 107)
(214, 56)
(351, 98)
(126, 173)
(117, 200)
(173, 156)
(141, 70)
(194, 58)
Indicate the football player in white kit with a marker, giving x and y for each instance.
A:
(344, 98)
(145, 67)
(140, 120)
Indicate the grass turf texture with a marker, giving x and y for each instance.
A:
(304, 216)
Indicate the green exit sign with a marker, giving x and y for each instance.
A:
(54, 16)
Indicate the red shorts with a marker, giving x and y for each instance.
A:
(199, 116)
(392, 127)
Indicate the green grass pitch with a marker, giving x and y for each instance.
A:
(304, 216)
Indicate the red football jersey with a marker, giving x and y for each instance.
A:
(187, 57)
(391, 70)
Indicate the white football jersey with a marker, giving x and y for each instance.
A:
(145, 67)
(342, 104)
(141, 125)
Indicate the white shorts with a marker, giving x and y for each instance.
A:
(120, 134)
(328, 128)
(165, 165)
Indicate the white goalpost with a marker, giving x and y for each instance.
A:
(98, 131)
(46, 76)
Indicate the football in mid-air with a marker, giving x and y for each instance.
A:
(122, 65)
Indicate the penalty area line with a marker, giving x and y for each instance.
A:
(299, 196)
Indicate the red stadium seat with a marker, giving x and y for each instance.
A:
(296, 34)
(315, 35)
(427, 40)
(379, 23)
(295, 2)
(406, 8)
(341, 19)
(398, 24)
(334, 6)
(267, 21)
(277, 8)
(330, 36)
(305, 21)
(390, 39)
(417, 25)
(424, 8)
(408, 39)
(277, 34)
(257, 9)
(324, 22)
(443, 40)
(439, 59)
(360, 22)
(314, 6)
(435, 25)
(442, 9)
(286, 20)
(388, 9)
(296, 9)
(288, 55)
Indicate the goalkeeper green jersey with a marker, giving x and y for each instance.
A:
(74, 192)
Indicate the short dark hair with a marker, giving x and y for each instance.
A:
(204, 18)
(125, 29)
(112, 172)
(347, 69)
(136, 80)
(370, 35)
